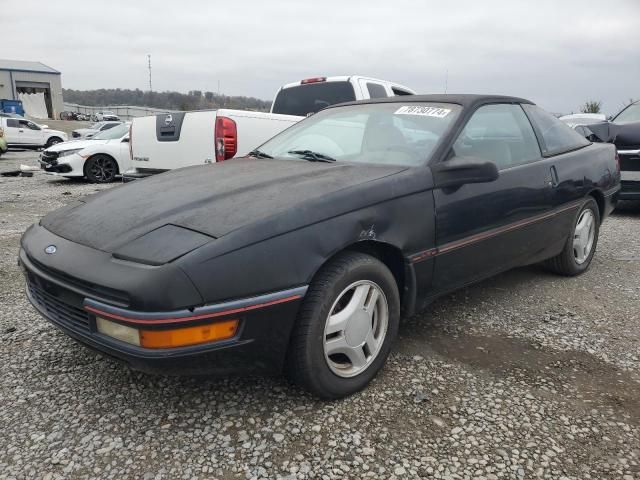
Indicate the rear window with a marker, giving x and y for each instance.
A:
(557, 137)
(302, 100)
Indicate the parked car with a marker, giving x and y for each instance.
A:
(3, 143)
(83, 133)
(627, 142)
(623, 130)
(304, 256)
(576, 119)
(99, 159)
(20, 132)
(83, 117)
(68, 115)
(104, 116)
(175, 140)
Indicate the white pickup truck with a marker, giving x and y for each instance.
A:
(173, 140)
(20, 132)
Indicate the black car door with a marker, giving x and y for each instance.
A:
(485, 228)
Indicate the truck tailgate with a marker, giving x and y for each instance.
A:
(191, 144)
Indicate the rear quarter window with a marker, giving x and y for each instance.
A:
(557, 137)
(376, 90)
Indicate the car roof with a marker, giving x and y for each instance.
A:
(347, 78)
(464, 100)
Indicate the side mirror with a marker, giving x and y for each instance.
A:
(44, 126)
(458, 171)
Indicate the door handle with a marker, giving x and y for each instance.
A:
(552, 179)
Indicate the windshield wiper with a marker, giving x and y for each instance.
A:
(313, 156)
(259, 154)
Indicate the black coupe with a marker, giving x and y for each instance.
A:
(303, 256)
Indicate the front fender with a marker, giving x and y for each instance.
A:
(293, 258)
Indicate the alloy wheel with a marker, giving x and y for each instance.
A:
(355, 328)
(583, 236)
(102, 169)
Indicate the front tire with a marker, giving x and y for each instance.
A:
(580, 247)
(345, 327)
(101, 169)
(53, 141)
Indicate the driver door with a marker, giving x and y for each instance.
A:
(485, 228)
(31, 133)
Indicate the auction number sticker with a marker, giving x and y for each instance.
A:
(423, 111)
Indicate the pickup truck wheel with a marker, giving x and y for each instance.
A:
(52, 141)
(101, 169)
(345, 327)
(581, 244)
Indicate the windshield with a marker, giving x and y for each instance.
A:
(629, 115)
(381, 133)
(309, 98)
(118, 131)
(96, 126)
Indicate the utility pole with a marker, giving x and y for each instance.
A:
(149, 63)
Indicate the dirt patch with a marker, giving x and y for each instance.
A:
(577, 376)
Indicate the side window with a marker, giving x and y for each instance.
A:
(500, 133)
(12, 123)
(376, 90)
(108, 126)
(398, 92)
(30, 125)
(557, 137)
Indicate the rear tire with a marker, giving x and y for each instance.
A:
(101, 169)
(580, 247)
(352, 306)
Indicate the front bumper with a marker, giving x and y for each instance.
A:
(68, 166)
(259, 345)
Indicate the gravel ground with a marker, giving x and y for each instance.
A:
(526, 375)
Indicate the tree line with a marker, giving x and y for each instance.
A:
(193, 100)
(595, 106)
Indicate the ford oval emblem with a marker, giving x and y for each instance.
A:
(50, 249)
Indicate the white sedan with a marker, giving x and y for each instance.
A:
(100, 159)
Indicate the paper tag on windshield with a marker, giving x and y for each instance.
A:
(423, 111)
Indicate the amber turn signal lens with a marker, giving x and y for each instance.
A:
(182, 337)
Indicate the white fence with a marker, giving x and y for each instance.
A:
(125, 112)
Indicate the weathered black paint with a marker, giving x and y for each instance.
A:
(261, 225)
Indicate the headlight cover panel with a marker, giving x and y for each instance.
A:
(162, 245)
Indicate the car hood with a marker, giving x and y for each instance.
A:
(623, 135)
(74, 144)
(54, 132)
(213, 200)
(85, 130)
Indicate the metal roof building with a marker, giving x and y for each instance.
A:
(20, 78)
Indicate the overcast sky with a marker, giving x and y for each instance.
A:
(557, 53)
